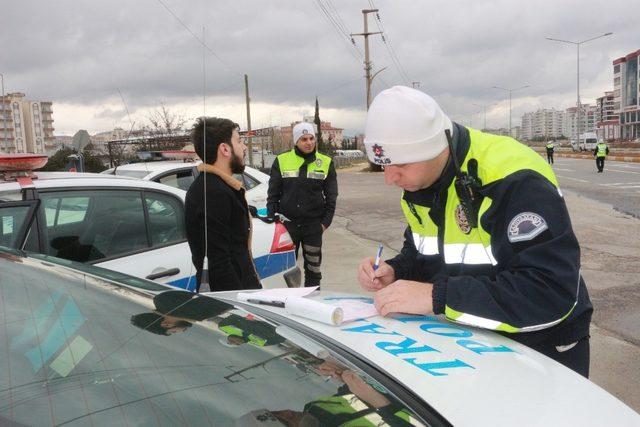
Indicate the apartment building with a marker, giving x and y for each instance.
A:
(607, 121)
(543, 123)
(587, 120)
(26, 126)
(626, 94)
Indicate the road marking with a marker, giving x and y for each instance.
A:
(574, 179)
(564, 170)
(617, 170)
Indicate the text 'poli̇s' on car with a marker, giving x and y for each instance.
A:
(89, 346)
(178, 168)
(124, 224)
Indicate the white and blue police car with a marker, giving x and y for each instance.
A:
(120, 223)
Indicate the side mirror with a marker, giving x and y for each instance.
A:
(253, 211)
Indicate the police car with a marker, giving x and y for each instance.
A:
(87, 346)
(181, 172)
(124, 224)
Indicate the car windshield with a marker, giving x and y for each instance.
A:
(131, 173)
(78, 350)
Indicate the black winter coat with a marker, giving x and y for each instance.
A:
(229, 231)
(303, 200)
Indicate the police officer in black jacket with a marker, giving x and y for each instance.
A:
(303, 187)
(488, 242)
(216, 207)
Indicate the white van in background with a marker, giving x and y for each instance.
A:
(586, 142)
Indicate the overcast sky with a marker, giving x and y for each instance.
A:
(82, 54)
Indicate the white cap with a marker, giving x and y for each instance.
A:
(302, 129)
(404, 125)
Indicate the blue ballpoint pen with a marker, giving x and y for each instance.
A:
(376, 264)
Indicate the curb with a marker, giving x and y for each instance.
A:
(631, 159)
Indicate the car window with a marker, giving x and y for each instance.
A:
(11, 220)
(78, 352)
(131, 173)
(166, 219)
(180, 179)
(246, 180)
(89, 226)
(65, 210)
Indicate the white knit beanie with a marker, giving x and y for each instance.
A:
(302, 129)
(404, 125)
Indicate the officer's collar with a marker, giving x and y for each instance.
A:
(461, 141)
(306, 156)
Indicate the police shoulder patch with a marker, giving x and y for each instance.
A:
(526, 226)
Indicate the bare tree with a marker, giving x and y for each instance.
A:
(164, 130)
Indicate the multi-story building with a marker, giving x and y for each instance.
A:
(626, 94)
(544, 123)
(101, 140)
(26, 126)
(587, 120)
(607, 121)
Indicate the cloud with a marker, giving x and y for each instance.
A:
(81, 54)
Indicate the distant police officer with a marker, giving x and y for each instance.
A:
(550, 148)
(600, 152)
(303, 187)
(489, 241)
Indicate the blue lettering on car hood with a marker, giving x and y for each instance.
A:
(416, 353)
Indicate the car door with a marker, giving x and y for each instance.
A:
(256, 191)
(132, 231)
(168, 258)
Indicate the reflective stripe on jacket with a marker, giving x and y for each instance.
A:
(518, 271)
(303, 187)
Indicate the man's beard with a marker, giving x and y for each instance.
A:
(237, 162)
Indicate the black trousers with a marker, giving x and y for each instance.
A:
(600, 163)
(309, 236)
(550, 158)
(576, 358)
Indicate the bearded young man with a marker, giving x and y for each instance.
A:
(217, 217)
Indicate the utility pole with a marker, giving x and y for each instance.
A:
(578, 103)
(510, 90)
(484, 108)
(367, 62)
(250, 144)
(4, 117)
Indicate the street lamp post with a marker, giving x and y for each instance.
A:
(4, 117)
(510, 91)
(578, 105)
(484, 109)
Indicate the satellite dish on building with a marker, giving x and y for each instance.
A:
(80, 140)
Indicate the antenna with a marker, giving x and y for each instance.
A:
(456, 165)
(204, 279)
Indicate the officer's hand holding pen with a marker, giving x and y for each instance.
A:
(375, 279)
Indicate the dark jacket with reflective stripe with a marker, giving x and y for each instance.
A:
(303, 199)
(534, 281)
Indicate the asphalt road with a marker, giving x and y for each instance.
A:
(618, 185)
(368, 212)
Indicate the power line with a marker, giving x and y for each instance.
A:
(390, 50)
(340, 31)
(177, 18)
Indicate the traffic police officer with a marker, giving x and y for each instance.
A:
(489, 241)
(550, 147)
(303, 187)
(600, 152)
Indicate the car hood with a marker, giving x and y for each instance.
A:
(469, 375)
